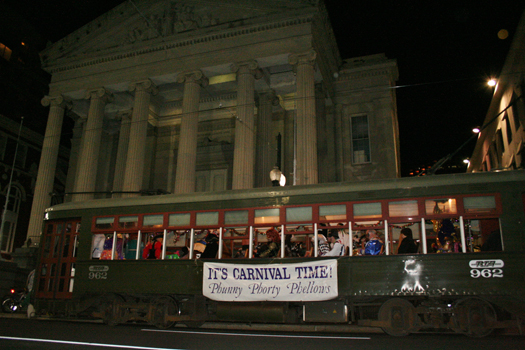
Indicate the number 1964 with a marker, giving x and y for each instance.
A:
(486, 273)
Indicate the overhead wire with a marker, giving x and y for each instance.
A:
(445, 159)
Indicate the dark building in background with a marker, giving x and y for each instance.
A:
(500, 144)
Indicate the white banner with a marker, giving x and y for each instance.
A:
(308, 281)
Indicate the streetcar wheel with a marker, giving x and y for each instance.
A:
(474, 317)
(399, 316)
(113, 313)
(9, 305)
(162, 309)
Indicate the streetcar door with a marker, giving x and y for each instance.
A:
(57, 259)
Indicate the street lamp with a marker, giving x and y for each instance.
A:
(277, 176)
(492, 82)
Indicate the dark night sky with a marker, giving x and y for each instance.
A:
(445, 51)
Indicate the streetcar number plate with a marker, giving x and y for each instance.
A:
(490, 268)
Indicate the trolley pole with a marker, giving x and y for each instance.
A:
(2, 226)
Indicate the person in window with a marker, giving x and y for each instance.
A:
(360, 249)
(374, 246)
(338, 248)
(493, 243)
(153, 249)
(212, 246)
(98, 245)
(322, 246)
(107, 252)
(406, 245)
(273, 247)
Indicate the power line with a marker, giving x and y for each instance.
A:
(445, 159)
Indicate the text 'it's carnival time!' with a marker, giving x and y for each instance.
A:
(308, 281)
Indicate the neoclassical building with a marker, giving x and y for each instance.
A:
(183, 96)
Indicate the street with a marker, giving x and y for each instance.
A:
(21, 333)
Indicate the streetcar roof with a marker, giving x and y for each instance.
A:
(326, 188)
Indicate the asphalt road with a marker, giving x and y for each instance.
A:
(20, 333)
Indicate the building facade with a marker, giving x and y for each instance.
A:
(22, 120)
(20, 151)
(171, 96)
(500, 144)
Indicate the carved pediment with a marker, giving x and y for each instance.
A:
(142, 21)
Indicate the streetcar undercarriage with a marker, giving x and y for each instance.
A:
(472, 316)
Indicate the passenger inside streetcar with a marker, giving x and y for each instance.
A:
(212, 246)
(374, 246)
(272, 248)
(322, 245)
(337, 245)
(406, 245)
(153, 249)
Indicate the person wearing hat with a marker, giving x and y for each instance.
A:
(338, 247)
(153, 249)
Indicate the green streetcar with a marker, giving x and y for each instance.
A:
(467, 275)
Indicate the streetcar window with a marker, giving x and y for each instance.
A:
(483, 235)
(367, 210)
(236, 242)
(179, 219)
(130, 246)
(443, 236)
(403, 208)
(264, 216)
(104, 223)
(153, 220)
(408, 247)
(332, 212)
(482, 204)
(207, 218)
(236, 217)
(441, 206)
(128, 221)
(298, 214)
(298, 245)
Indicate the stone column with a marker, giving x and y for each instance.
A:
(306, 163)
(122, 152)
(74, 154)
(325, 167)
(244, 152)
(266, 145)
(134, 173)
(289, 147)
(88, 162)
(339, 157)
(187, 153)
(47, 167)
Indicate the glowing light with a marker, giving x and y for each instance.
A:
(476, 130)
(466, 161)
(491, 82)
(503, 34)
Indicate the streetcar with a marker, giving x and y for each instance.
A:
(466, 275)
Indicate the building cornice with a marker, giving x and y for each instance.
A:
(164, 46)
